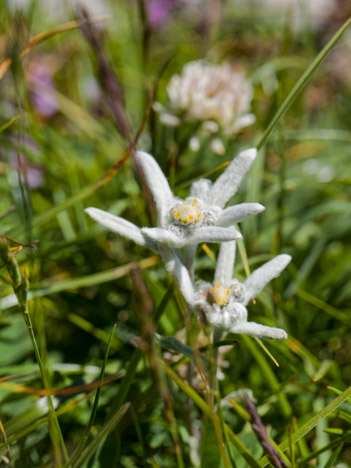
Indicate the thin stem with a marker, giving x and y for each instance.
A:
(52, 414)
(20, 287)
(84, 439)
(302, 82)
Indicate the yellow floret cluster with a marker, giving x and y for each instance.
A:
(188, 213)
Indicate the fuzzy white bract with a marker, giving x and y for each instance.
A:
(224, 302)
(214, 94)
(201, 217)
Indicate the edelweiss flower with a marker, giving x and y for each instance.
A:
(199, 218)
(217, 95)
(224, 302)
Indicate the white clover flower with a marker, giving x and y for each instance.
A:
(224, 302)
(217, 95)
(201, 217)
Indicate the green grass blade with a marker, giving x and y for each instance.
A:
(55, 287)
(108, 428)
(334, 456)
(84, 439)
(312, 423)
(269, 375)
(302, 82)
(208, 411)
(305, 462)
(266, 350)
(328, 309)
(10, 122)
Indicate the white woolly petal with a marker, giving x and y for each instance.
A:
(119, 225)
(235, 214)
(194, 237)
(200, 189)
(178, 271)
(157, 183)
(228, 183)
(255, 329)
(263, 275)
(225, 264)
(212, 234)
(164, 236)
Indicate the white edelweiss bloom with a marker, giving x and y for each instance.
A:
(224, 303)
(201, 217)
(212, 93)
(122, 227)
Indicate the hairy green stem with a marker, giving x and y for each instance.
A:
(20, 287)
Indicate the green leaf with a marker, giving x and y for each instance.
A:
(210, 453)
(252, 445)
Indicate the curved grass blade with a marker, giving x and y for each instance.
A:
(108, 428)
(84, 439)
(269, 375)
(136, 356)
(312, 423)
(81, 282)
(208, 411)
(17, 388)
(10, 122)
(5, 438)
(287, 103)
(345, 437)
(301, 83)
(5, 64)
(266, 350)
(17, 428)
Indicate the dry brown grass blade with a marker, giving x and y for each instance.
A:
(18, 377)
(5, 438)
(109, 80)
(110, 174)
(6, 63)
(16, 388)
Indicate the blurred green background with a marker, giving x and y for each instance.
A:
(66, 140)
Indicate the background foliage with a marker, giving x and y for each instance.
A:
(56, 159)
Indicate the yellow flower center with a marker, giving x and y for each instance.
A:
(221, 295)
(188, 213)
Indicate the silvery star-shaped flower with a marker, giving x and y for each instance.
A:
(199, 218)
(224, 302)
